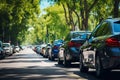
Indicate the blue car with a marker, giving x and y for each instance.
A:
(53, 53)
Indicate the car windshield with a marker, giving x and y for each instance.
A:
(6, 45)
(117, 26)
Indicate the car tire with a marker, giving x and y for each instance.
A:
(49, 57)
(81, 65)
(66, 62)
(99, 68)
(59, 61)
(52, 58)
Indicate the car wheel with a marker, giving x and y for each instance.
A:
(99, 68)
(81, 65)
(59, 61)
(66, 62)
(49, 57)
(52, 58)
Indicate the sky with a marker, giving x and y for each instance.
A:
(44, 4)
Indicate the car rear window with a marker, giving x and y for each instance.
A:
(58, 41)
(80, 35)
(76, 34)
(117, 26)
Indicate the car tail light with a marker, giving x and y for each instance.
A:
(112, 42)
(74, 44)
(55, 47)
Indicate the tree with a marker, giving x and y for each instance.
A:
(116, 8)
(81, 9)
(15, 15)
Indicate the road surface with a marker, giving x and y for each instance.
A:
(27, 65)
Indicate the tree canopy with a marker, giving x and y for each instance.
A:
(22, 21)
(16, 16)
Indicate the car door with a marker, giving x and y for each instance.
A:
(89, 48)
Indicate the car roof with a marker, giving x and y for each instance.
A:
(80, 32)
(113, 19)
(6, 43)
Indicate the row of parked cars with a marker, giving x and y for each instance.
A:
(6, 49)
(49, 51)
(99, 49)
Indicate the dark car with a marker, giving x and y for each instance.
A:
(69, 51)
(2, 52)
(54, 50)
(47, 50)
(102, 49)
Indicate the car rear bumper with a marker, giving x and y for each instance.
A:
(55, 53)
(74, 54)
(112, 63)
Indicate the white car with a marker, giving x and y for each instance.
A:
(8, 48)
(17, 48)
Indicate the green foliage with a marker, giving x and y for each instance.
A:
(53, 24)
(15, 16)
(21, 21)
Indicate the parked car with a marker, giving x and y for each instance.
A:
(53, 52)
(48, 47)
(2, 52)
(8, 48)
(102, 49)
(17, 48)
(42, 49)
(69, 52)
(35, 48)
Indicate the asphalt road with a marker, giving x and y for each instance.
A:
(27, 65)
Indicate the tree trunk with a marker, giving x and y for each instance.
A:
(71, 21)
(116, 8)
(67, 21)
(78, 17)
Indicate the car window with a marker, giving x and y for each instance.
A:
(58, 41)
(94, 32)
(103, 29)
(116, 26)
(107, 29)
(6, 45)
(76, 34)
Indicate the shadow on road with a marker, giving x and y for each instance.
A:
(91, 75)
(71, 66)
(33, 73)
(41, 71)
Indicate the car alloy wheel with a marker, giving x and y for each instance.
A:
(81, 65)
